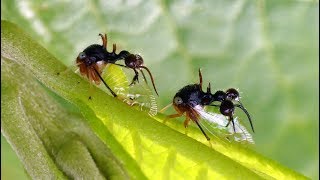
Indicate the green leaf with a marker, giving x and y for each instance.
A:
(66, 146)
(52, 142)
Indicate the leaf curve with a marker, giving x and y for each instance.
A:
(143, 133)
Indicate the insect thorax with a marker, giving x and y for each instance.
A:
(191, 95)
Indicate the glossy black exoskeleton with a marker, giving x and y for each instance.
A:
(191, 98)
(227, 106)
(92, 60)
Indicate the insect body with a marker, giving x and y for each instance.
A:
(92, 60)
(191, 101)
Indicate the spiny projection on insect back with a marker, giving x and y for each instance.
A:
(92, 60)
(191, 100)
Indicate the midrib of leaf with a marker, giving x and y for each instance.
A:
(123, 118)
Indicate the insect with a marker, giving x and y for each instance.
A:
(191, 100)
(92, 60)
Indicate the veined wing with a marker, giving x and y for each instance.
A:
(214, 122)
(138, 95)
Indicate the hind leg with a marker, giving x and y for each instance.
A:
(171, 116)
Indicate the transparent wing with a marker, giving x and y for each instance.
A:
(215, 124)
(138, 95)
(241, 134)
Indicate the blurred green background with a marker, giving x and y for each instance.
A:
(267, 49)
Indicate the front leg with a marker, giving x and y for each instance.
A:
(172, 116)
(232, 121)
(135, 78)
(186, 122)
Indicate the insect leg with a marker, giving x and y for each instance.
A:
(228, 124)
(174, 115)
(135, 78)
(195, 119)
(171, 116)
(231, 120)
(114, 94)
(120, 65)
(202, 131)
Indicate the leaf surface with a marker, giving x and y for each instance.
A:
(159, 150)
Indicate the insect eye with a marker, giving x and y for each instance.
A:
(232, 94)
(178, 100)
(82, 55)
(139, 58)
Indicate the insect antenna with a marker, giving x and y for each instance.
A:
(154, 87)
(165, 108)
(246, 112)
(114, 94)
